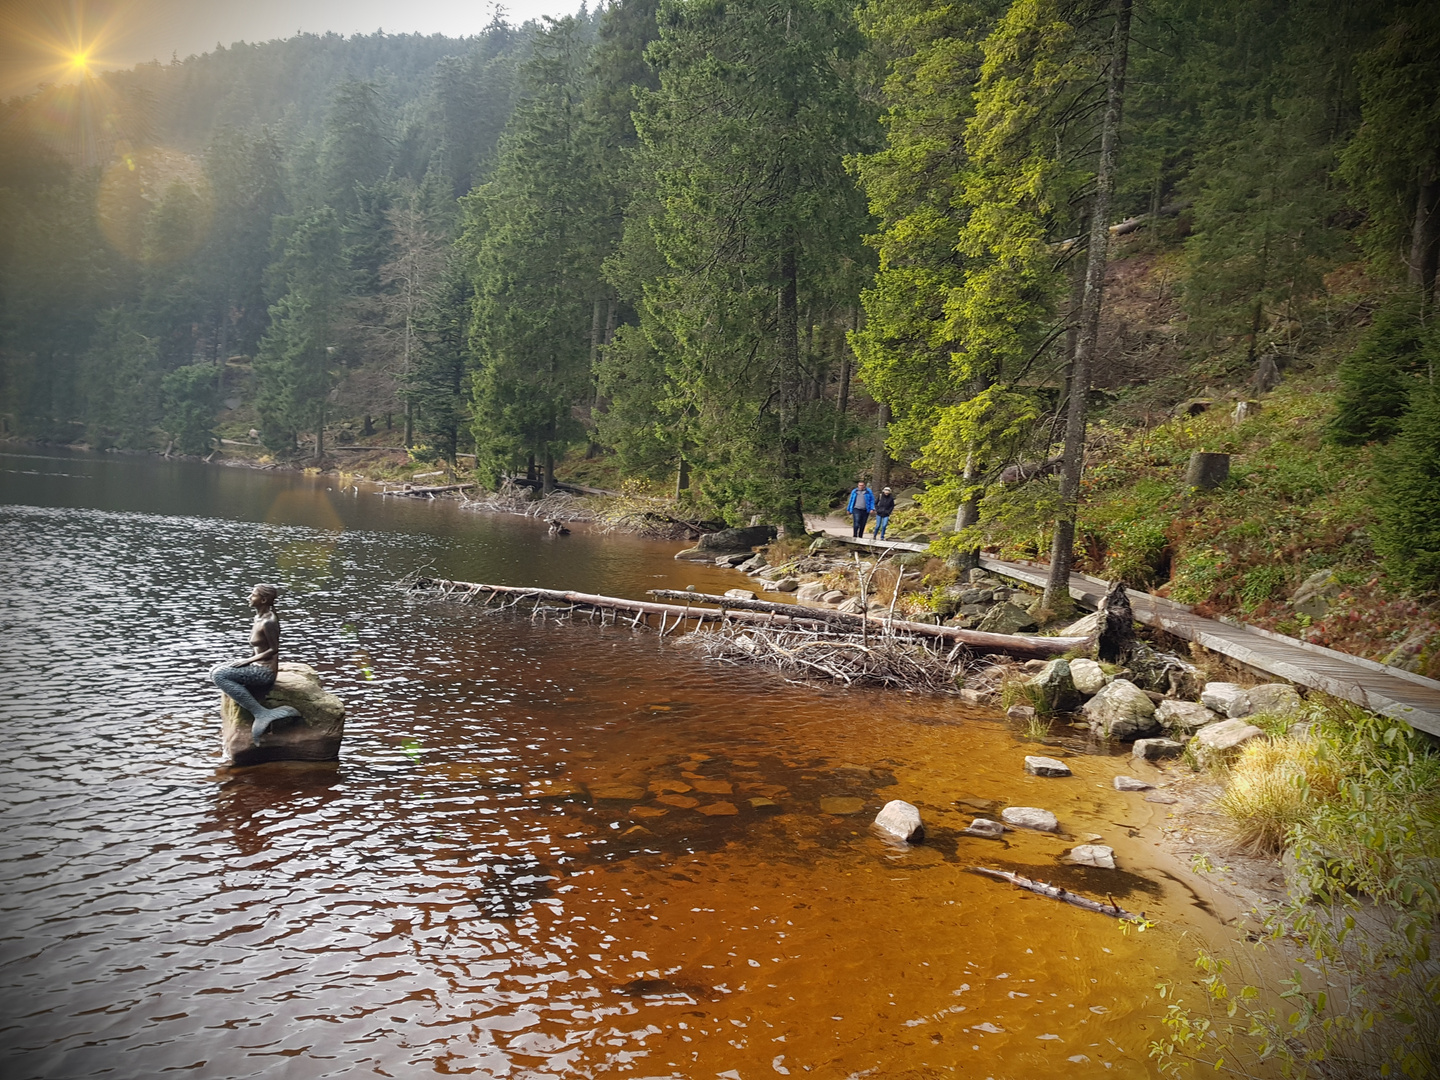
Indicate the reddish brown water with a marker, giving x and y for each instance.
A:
(548, 850)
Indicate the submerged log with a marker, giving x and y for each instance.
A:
(1055, 892)
(1031, 648)
(425, 492)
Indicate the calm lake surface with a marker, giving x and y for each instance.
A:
(547, 850)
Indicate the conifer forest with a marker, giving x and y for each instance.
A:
(740, 253)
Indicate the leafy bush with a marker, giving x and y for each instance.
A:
(1358, 806)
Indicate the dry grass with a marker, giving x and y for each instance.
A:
(1273, 786)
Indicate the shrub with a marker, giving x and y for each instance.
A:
(1376, 377)
(1407, 509)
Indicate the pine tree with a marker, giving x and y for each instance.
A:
(536, 274)
(295, 367)
(1407, 528)
(747, 205)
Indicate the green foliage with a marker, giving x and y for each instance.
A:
(122, 383)
(538, 245)
(1357, 804)
(188, 401)
(742, 219)
(1376, 377)
(295, 364)
(1407, 527)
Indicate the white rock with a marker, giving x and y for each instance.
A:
(1089, 677)
(812, 590)
(1030, 817)
(985, 827)
(1045, 766)
(1086, 627)
(1130, 783)
(739, 594)
(1183, 716)
(1226, 698)
(902, 820)
(1093, 855)
(1217, 739)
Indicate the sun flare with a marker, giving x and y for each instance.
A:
(80, 63)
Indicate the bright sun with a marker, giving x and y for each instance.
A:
(80, 62)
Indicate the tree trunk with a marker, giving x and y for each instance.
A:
(369, 428)
(530, 467)
(880, 474)
(1207, 471)
(967, 515)
(1425, 234)
(789, 326)
(320, 435)
(549, 473)
(1062, 547)
(409, 438)
(682, 477)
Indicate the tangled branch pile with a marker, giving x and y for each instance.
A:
(889, 660)
(514, 499)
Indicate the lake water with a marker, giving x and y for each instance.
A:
(538, 855)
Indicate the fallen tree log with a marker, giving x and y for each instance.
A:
(1031, 648)
(424, 492)
(573, 489)
(1055, 892)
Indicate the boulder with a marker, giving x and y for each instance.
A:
(1020, 712)
(1183, 717)
(1226, 698)
(1088, 676)
(696, 554)
(315, 736)
(1030, 817)
(736, 540)
(1093, 855)
(1165, 673)
(1280, 699)
(1121, 711)
(834, 596)
(788, 584)
(1053, 689)
(1045, 766)
(812, 590)
(734, 560)
(1006, 618)
(1409, 655)
(740, 594)
(1315, 594)
(1214, 742)
(1157, 749)
(1130, 783)
(901, 819)
(1089, 626)
(851, 606)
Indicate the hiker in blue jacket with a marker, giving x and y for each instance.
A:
(862, 501)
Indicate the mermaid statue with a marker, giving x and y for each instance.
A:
(247, 682)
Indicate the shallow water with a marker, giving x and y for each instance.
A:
(547, 850)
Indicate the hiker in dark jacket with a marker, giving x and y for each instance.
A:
(862, 501)
(884, 507)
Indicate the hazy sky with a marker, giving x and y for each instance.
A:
(37, 36)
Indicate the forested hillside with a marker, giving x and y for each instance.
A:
(749, 250)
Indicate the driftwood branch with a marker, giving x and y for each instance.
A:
(1034, 648)
(1055, 892)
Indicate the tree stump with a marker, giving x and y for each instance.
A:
(1207, 471)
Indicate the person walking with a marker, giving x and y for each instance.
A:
(884, 507)
(862, 501)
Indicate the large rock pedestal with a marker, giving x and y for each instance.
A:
(314, 737)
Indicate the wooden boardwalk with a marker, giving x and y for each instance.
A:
(1386, 690)
(1381, 689)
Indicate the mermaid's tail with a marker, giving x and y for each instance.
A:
(266, 717)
